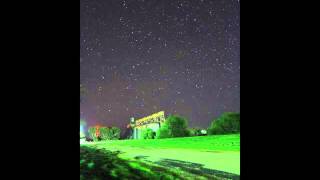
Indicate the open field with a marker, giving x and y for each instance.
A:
(202, 154)
(213, 143)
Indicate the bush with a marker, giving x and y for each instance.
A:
(227, 123)
(92, 133)
(148, 134)
(112, 133)
(115, 133)
(174, 126)
(104, 133)
(194, 131)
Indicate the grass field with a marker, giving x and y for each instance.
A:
(218, 154)
(210, 143)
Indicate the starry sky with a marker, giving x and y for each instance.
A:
(138, 57)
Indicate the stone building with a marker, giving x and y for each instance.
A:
(153, 121)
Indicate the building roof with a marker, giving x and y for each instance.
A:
(161, 113)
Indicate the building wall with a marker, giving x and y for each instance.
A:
(153, 122)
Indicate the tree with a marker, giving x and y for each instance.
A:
(128, 132)
(163, 132)
(174, 126)
(227, 123)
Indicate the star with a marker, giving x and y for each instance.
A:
(183, 58)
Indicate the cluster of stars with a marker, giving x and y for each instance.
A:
(138, 57)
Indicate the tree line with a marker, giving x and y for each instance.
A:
(174, 126)
(177, 126)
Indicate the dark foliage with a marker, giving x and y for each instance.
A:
(148, 134)
(227, 123)
(174, 126)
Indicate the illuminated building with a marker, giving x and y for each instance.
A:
(154, 122)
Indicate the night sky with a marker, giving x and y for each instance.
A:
(138, 57)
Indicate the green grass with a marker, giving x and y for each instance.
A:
(201, 155)
(102, 164)
(210, 143)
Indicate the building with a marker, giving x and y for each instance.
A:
(154, 122)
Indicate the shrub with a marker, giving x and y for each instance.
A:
(115, 133)
(92, 133)
(194, 131)
(109, 133)
(148, 134)
(104, 133)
